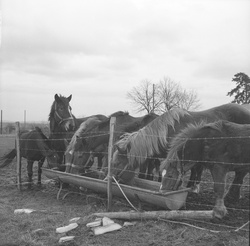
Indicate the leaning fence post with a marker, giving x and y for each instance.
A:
(18, 156)
(110, 152)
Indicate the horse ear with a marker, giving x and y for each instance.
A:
(69, 98)
(56, 97)
(120, 149)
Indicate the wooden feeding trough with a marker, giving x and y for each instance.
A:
(143, 190)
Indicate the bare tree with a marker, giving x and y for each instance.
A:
(163, 96)
(189, 100)
(173, 95)
(169, 93)
(143, 97)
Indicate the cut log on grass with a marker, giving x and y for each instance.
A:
(154, 215)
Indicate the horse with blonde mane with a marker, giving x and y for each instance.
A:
(153, 140)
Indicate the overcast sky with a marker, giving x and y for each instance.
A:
(98, 50)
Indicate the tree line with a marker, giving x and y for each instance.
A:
(167, 94)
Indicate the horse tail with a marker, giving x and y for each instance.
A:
(7, 158)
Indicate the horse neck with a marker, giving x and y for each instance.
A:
(78, 122)
(153, 139)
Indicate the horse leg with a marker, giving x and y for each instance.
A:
(233, 194)
(143, 169)
(157, 164)
(99, 162)
(40, 164)
(151, 166)
(89, 162)
(219, 178)
(195, 178)
(30, 172)
(104, 170)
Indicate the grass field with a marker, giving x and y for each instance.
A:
(39, 228)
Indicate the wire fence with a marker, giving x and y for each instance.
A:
(7, 143)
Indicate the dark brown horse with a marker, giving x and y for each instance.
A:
(220, 147)
(34, 146)
(63, 124)
(152, 140)
(92, 138)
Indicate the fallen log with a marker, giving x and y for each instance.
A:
(155, 215)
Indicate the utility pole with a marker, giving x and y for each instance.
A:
(153, 99)
(24, 119)
(1, 121)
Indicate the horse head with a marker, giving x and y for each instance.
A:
(171, 176)
(79, 154)
(75, 157)
(61, 115)
(121, 170)
(53, 160)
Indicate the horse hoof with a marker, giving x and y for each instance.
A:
(219, 213)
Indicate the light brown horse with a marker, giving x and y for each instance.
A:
(153, 140)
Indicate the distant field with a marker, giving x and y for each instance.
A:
(9, 127)
(6, 142)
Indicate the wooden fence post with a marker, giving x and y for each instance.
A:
(18, 156)
(110, 152)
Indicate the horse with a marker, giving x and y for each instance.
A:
(221, 147)
(152, 140)
(74, 154)
(34, 146)
(92, 137)
(63, 124)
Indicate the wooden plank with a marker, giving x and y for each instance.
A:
(18, 156)
(155, 215)
(110, 153)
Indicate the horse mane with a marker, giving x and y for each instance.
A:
(190, 132)
(150, 139)
(85, 126)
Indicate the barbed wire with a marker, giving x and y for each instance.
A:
(188, 203)
(203, 222)
(107, 132)
(205, 182)
(151, 158)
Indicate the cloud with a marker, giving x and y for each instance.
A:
(99, 50)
